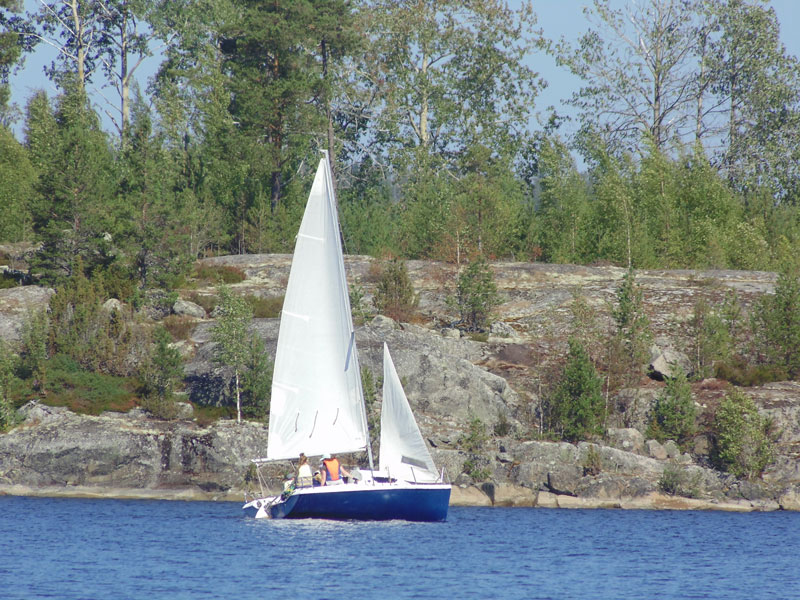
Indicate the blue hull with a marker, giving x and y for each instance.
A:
(368, 504)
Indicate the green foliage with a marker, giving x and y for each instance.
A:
(85, 392)
(633, 334)
(217, 274)
(472, 467)
(476, 436)
(160, 373)
(234, 346)
(713, 334)
(207, 301)
(503, 427)
(561, 228)
(394, 294)
(370, 389)
(357, 305)
(154, 236)
(17, 177)
(676, 481)
(476, 295)
(8, 365)
(743, 440)
(593, 462)
(179, 326)
(98, 339)
(777, 323)
(265, 308)
(77, 212)
(674, 413)
(256, 380)
(34, 355)
(230, 330)
(743, 374)
(576, 407)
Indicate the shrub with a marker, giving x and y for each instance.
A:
(207, 301)
(8, 360)
(370, 387)
(179, 326)
(475, 437)
(357, 305)
(265, 308)
(476, 296)
(503, 427)
(218, 274)
(576, 406)
(472, 468)
(256, 380)
(162, 368)
(633, 336)
(80, 328)
(674, 413)
(675, 481)
(777, 323)
(394, 294)
(743, 443)
(593, 463)
(7, 280)
(84, 391)
(740, 373)
(712, 334)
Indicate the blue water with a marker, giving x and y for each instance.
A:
(78, 549)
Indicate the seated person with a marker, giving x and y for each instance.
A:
(333, 470)
(304, 477)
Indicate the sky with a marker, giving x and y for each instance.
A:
(557, 18)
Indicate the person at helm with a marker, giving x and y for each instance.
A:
(333, 470)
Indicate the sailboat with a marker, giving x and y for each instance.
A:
(317, 406)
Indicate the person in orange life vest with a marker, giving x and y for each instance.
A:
(333, 470)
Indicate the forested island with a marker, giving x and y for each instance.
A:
(620, 282)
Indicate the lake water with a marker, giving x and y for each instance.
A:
(71, 548)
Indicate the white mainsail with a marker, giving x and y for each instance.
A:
(317, 404)
(403, 451)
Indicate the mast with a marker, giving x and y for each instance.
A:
(345, 290)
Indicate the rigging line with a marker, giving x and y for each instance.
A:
(336, 418)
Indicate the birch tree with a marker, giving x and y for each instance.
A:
(638, 64)
(446, 74)
(231, 338)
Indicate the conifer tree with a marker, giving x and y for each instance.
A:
(577, 408)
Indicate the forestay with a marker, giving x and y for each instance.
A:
(403, 451)
(317, 404)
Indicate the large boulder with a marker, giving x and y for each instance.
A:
(665, 363)
(189, 309)
(17, 304)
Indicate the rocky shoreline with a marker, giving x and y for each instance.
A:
(451, 379)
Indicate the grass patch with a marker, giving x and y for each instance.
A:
(479, 337)
(84, 392)
(179, 326)
(207, 415)
(7, 280)
(207, 301)
(742, 374)
(265, 308)
(216, 274)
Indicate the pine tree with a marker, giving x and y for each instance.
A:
(577, 408)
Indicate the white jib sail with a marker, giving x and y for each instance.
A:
(317, 404)
(403, 451)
